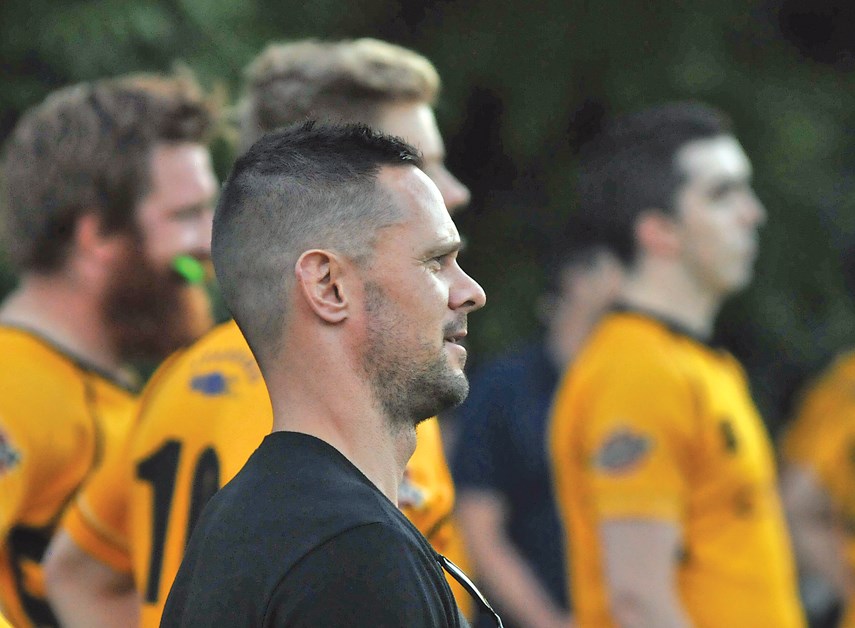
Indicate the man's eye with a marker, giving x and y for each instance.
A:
(437, 262)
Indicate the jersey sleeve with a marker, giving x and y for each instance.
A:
(97, 519)
(832, 457)
(639, 417)
(818, 413)
(368, 575)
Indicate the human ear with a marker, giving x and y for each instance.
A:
(656, 233)
(320, 281)
(92, 243)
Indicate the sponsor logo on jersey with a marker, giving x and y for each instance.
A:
(622, 451)
(211, 384)
(9, 456)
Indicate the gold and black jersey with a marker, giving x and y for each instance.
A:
(58, 419)
(651, 423)
(821, 439)
(201, 416)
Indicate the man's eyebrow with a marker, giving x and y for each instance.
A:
(444, 248)
(195, 207)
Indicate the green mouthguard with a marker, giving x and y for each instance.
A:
(189, 268)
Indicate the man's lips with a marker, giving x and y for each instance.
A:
(456, 337)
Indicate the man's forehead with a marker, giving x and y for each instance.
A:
(415, 123)
(417, 195)
(181, 175)
(409, 184)
(715, 158)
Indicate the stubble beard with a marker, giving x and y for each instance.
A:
(152, 312)
(410, 383)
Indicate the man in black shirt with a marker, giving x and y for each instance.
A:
(338, 259)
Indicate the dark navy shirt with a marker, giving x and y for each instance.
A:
(502, 448)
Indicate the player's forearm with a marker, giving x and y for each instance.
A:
(646, 608)
(818, 540)
(76, 608)
(512, 583)
(821, 551)
(507, 576)
(85, 593)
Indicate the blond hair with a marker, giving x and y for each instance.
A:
(344, 81)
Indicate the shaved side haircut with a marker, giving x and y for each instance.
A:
(308, 186)
(343, 81)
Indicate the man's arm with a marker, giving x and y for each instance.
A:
(815, 527)
(85, 592)
(640, 558)
(482, 514)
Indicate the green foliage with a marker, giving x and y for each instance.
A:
(539, 65)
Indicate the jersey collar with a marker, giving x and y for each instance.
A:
(671, 325)
(81, 363)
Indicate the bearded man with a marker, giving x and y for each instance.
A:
(109, 189)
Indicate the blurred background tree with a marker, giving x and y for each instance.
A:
(524, 85)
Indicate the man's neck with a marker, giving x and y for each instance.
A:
(565, 336)
(325, 400)
(65, 314)
(668, 291)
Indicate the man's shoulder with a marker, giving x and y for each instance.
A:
(217, 367)
(296, 506)
(27, 356)
(373, 542)
(295, 491)
(213, 382)
(626, 348)
(41, 385)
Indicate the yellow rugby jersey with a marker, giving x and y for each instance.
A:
(426, 497)
(201, 416)
(822, 439)
(57, 418)
(819, 410)
(650, 423)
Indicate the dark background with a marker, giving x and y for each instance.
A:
(524, 84)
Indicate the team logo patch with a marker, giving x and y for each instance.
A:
(9, 456)
(622, 451)
(210, 384)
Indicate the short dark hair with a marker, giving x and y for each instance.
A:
(306, 186)
(631, 167)
(86, 148)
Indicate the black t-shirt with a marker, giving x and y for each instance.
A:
(300, 537)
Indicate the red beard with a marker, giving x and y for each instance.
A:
(150, 312)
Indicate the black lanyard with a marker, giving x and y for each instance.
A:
(464, 581)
